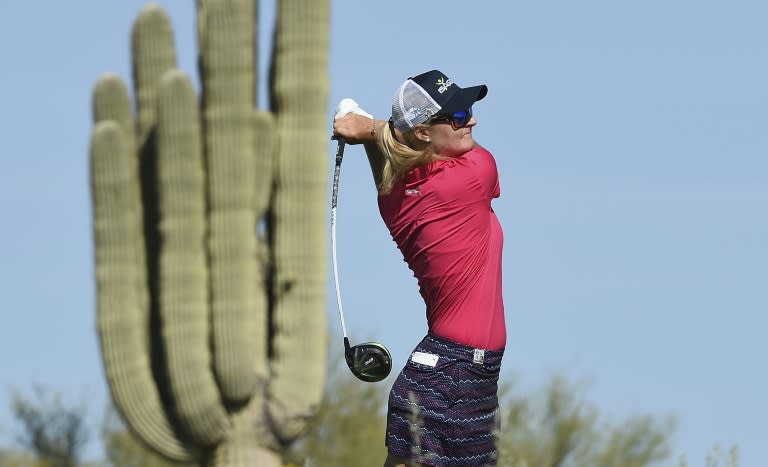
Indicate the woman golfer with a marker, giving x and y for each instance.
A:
(435, 187)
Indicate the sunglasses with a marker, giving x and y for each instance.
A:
(457, 120)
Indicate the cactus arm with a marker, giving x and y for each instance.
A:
(110, 101)
(238, 309)
(153, 53)
(252, 440)
(300, 99)
(183, 278)
(123, 318)
(248, 11)
(193, 391)
(264, 145)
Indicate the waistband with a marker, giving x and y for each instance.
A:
(449, 348)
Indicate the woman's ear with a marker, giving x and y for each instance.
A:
(421, 132)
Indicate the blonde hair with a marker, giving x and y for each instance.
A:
(399, 158)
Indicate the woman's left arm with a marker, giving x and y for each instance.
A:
(358, 129)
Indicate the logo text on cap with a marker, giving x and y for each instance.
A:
(443, 85)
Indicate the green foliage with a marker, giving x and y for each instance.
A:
(350, 424)
(51, 431)
(54, 432)
(349, 430)
(12, 458)
(124, 449)
(557, 427)
(554, 427)
(716, 459)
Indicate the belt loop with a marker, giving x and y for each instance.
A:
(479, 357)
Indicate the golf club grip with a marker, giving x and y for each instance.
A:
(337, 171)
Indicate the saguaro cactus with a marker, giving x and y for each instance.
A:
(209, 224)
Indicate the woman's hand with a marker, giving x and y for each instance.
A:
(353, 123)
(356, 129)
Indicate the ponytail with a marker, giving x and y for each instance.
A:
(399, 158)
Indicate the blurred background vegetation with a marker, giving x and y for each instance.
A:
(553, 426)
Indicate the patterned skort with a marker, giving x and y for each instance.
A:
(443, 407)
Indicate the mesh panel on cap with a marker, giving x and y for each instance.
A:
(411, 106)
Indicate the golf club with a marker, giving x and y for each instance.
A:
(370, 361)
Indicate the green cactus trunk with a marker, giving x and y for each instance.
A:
(209, 227)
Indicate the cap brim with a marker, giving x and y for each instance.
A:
(464, 98)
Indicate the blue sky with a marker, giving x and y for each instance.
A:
(631, 143)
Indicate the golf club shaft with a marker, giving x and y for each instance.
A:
(334, 199)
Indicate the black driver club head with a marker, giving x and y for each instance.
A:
(370, 361)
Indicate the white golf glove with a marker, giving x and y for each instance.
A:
(348, 105)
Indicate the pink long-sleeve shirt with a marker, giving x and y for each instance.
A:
(442, 221)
